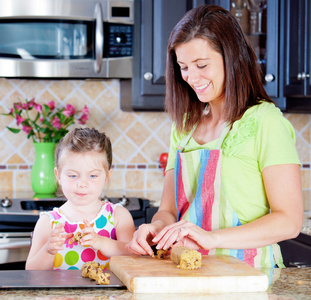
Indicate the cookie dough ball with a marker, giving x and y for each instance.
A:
(94, 272)
(88, 266)
(159, 254)
(77, 237)
(102, 278)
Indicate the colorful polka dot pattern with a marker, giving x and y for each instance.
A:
(74, 255)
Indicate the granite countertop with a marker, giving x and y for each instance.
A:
(289, 283)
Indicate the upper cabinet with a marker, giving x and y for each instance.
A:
(158, 19)
(279, 32)
(154, 21)
(297, 54)
(259, 20)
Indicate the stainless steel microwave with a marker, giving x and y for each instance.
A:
(66, 38)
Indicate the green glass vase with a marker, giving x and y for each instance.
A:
(43, 180)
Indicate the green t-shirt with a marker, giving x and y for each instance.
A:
(261, 138)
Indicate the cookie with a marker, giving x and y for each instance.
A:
(102, 278)
(92, 270)
(88, 266)
(76, 238)
(93, 273)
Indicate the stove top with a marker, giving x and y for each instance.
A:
(22, 212)
(33, 206)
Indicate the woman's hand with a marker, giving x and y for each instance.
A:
(166, 214)
(57, 239)
(142, 239)
(184, 233)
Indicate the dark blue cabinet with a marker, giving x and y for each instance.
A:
(297, 54)
(260, 21)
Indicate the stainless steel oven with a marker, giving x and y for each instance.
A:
(19, 215)
(66, 38)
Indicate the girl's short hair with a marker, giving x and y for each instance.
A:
(243, 76)
(82, 140)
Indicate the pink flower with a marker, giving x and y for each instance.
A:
(69, 110)
(18, 106)
(83, 119)
(56, 123)
(85, 110)
(27, 129)
(31, 103)
(51, 105)
(38, 107)
(19, 119)
(25, 106)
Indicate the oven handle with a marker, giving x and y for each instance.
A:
(99, 38)
(15, 245)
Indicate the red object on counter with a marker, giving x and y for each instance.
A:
(163, 161)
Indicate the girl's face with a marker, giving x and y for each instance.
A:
(203, 69)
(82, 176)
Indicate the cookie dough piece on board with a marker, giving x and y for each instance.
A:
(186, 258)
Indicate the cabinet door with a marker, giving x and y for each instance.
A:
(272, 73)
(308, 48)
(295, 31)
(260, 23)
(157, 19)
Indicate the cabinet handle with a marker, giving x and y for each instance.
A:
(148, 76)
(302, 76)
(269, 77)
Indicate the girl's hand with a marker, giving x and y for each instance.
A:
(90, 238)
(184, 233)
(57, 239)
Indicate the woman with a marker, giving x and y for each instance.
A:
(237, 187)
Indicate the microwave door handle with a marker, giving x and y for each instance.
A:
(99, 38)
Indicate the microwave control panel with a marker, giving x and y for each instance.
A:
(119, 39)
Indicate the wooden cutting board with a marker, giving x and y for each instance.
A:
(218, 274)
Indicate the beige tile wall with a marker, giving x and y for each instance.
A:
(138, 139)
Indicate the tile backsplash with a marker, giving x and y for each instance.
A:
(138, 138)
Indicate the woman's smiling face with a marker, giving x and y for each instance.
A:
(203, 69)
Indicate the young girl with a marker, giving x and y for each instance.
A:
(83, 161)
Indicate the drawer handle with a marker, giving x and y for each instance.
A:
(15, 245)
(298, 264)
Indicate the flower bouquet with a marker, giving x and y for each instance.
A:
(45, 123)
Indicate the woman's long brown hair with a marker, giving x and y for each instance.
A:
(243, 76)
